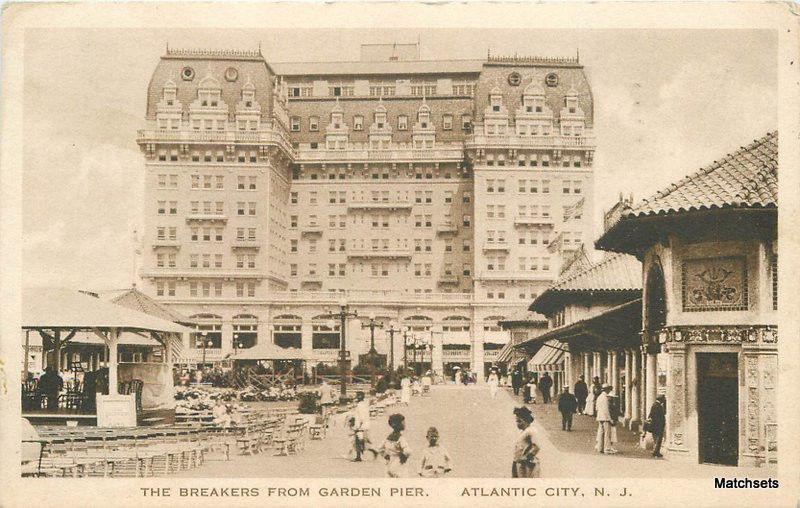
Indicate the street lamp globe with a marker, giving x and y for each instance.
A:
(371, 316)
(330, 323)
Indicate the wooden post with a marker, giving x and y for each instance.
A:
(57, 350)
(27, 346)
(628, 377)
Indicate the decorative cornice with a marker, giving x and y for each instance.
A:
(715, 334)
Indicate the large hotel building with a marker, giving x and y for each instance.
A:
(440, 195)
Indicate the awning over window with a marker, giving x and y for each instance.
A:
(549, 358)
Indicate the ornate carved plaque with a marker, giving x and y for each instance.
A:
(715, 284)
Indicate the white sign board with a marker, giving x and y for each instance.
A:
(116, 410)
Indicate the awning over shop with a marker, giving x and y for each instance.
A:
(549, 358)
(616, 328)
(127, 339)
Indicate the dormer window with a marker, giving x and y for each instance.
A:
(402, 122)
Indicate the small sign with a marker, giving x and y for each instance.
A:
(714, 284)
(116, 411)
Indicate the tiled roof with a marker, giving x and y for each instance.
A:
(746, 178)
(136, 300)
(617, 272)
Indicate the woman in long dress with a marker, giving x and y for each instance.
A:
(405, 390)
(526, 449)
(493, 382)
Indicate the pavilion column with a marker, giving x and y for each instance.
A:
(437, 356)
(306, 344)
(113, 343)
(651, 382)
(476, 341)
(587, 374)
(596, 366)
(643, 385)
(57, 350)
(567, 370)
(634, 384)
(628, 377)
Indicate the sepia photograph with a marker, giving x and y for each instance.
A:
(380, 252)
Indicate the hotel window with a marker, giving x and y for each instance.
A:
(193, 260)
(428, 245)
(490, 211)
(217, 260)
(173, 181)
(545, 211)
(219, 208)
(466, 270)
(490, 186)
(522, 264)
(170, 289)
(428, 269)
(217, 234)
(294, 124)
(418, 270)
(342, 245)
(162, 181)
(332, 197)
(418, 196)
(546, 264)
(342, 221)
(293, 270)
(160, 232)
(501, 186)
(545, 186)
(448, 197)
(358, 123)
(342, 197)
(490, 160)
(220, 182)
(173, 233)
(206, 234)
(312, 246)
(466, 220)
(331, 270)
(195, 234)
(501, 211)
(576, 186)
(251, 289)
(428, 196)
(293, 198)
(160, 260)
(490, 295)
(162, 207)
(428, 221)
(193, 289)
(206, 181)
(402, 122)
(331, 245)
(565, 187)
(240, 208)
(313, 123)
(466, 123)
(521, 160)
(466, 198)
(240, 183)
(217, 289)
(239, 289)
(251, 233)
(447, 122)
(522, 186)
(490, 236)
(448, 246)
(545, 160)
(173, 156)
(533, 161)
(466, 246)
(251, 209)
(418, 221)
(293, 221)
(312, 198)
(173, 207)
(293, 246)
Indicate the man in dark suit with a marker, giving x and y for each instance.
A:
(567, 404)
(658, 422)
(544, 386)
(581, 393)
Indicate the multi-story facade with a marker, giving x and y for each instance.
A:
(439, 195)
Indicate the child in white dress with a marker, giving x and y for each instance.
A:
(436, 461)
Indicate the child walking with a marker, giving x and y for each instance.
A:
(395, 449)
(436, 461)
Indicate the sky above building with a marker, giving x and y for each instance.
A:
(666, 103)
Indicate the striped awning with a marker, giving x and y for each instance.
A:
(549, 358)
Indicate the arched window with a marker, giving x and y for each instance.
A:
(209, 330)
(286, 331)
(245, 331)
(455, 324)
(419, 323)
(491, 323)
(325, 332)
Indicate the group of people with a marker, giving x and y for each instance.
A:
(434, 462)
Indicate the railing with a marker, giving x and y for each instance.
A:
(512, 140)
(203, 274)
(167, 243)
(369, 296)
(380, 204)
(513, 275)
(497, 246)
(446, 227)
(533, 221)
(206, 217)
(228, 135)
(448, 279)
(402, 153)
(241, 243)
(376, 253)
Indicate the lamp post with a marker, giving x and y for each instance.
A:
(203, 342)
(372, 356)
(391, 331)
(405, 348)
(343, 314)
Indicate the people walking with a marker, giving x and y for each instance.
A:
(361, 427)
(530, 390)
(516, 381)
(50, 385)
(493, 383)
(603, 410)
(395, 448)
(567, 405)
(581, 394)
(656, 421)
(405, 389)
(544, 387)
(526, 462)
(436, 460)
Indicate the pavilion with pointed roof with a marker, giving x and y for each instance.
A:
(709, 251)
